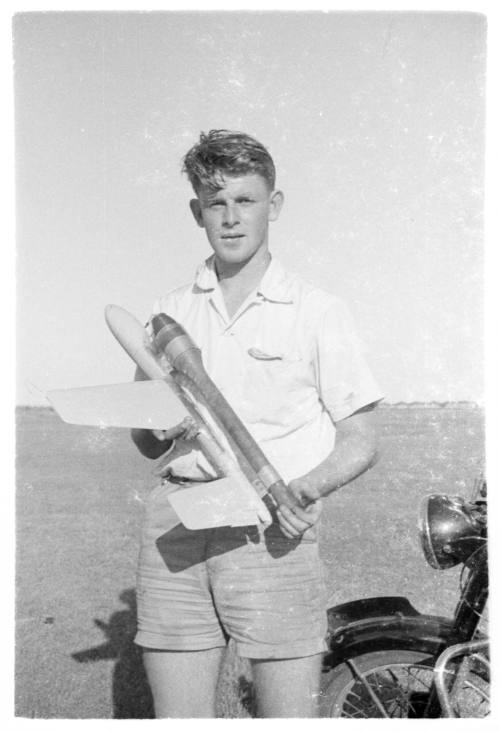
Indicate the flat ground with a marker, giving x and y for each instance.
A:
(80, 493)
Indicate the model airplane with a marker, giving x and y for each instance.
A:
(179, 386)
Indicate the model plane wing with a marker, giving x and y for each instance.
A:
(140, 405)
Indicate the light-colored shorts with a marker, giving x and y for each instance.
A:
(197, 588)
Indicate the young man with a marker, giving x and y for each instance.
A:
(285, 356)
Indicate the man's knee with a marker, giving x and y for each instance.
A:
(183, 684)
(287, 688)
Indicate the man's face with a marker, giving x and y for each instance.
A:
(236, 217)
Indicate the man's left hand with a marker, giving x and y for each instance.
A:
(295, 522)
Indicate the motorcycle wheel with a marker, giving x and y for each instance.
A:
(383, 684)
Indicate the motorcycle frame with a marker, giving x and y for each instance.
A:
(478, 649)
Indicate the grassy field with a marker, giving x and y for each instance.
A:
(80, 493)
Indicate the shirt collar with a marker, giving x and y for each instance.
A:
(274, 285)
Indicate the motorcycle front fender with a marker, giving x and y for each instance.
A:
(383, 623)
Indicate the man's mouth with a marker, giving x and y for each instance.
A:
(232, 236)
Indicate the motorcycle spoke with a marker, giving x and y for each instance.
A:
(358, 713)
(387, 692)
(420, 673)
(485, 696)
(376, 701)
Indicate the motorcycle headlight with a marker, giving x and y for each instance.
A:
(449, 533)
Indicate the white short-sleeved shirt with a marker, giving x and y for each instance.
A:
(288, 362)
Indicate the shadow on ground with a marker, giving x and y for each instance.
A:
(131, 695)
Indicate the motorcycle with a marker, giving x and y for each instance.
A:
(388, 660)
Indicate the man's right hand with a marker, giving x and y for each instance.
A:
(153, 443)
(187, 429)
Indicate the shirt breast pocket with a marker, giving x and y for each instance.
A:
(274, 380)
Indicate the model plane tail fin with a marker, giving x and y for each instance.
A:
(223, 502)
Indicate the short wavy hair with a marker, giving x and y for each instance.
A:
(223, 152)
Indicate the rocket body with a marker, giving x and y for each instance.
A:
(185, 357)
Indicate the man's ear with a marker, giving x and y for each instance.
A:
(195, 207)
(275, 204)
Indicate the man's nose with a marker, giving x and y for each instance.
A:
(230, 215)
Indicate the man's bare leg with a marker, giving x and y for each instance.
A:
(183, 683)
(287, 688)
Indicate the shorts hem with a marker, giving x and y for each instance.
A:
(280, 652)
(154, 642)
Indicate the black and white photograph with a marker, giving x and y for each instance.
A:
(250, 255)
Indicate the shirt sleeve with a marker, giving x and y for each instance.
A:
(344, 381)
(155, 310)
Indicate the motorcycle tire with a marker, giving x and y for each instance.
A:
(399, 685)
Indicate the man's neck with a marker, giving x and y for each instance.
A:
(236, 282)
(247, 274)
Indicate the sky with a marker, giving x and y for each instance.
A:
(375, 122)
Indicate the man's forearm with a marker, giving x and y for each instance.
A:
(144, 439)
(348, 460)
(148, 445)
(355, 451)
